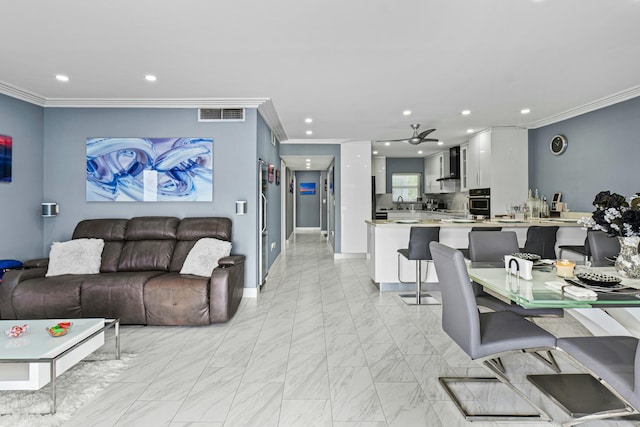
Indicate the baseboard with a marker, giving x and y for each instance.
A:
(250, 293)
(349, 256)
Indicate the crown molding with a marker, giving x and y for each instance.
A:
(155, 102)
(268, 112)
(586, 108)
(21, 94)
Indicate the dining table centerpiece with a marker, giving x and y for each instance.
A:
(620, 218)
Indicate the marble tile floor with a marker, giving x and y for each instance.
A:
(320, 346)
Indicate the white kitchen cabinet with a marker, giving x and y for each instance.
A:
(498, 159)
(479, 160)
(379, 170)
(464, 175)
(436, 166)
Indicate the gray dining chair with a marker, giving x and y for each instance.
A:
(602, 246)
(483, 336)
(492, 246)
(418, 251)
(583, 249)
(541, 241)
(614, 361)
(465, 251)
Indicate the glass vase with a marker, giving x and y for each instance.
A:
(628, 261)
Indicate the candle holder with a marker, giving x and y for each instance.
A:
(565, 268)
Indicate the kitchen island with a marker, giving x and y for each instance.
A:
(385, 237)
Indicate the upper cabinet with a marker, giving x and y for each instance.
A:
(380, 172)
(436, 166)
(498, 159)
(464, 175)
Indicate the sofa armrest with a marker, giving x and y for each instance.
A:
(36, 263)
(10, 280)
(231, 260)
(226, 287)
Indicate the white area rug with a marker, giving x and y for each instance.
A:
(74, 388)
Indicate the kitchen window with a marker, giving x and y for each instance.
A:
(406, 186)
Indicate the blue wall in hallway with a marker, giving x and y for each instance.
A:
(603, 154)
(307, 205)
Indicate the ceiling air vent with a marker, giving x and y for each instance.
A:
(221, 114)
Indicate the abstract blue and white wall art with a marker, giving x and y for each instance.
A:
(149, 169)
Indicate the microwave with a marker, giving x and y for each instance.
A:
(480, 201)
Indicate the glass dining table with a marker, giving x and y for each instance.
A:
(537, 293)
(560, 388)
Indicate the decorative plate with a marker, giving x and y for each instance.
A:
(598, 279)
(407, 221)
(527, 256)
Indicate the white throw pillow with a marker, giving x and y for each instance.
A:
(78, 256)
(204, 256)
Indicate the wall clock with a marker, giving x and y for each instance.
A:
(558, 144)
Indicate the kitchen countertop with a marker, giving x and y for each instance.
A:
(459, 224)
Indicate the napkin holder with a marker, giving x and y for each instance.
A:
(518, 267)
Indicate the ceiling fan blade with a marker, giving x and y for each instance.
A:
(425, 133)
(393, 140)
(430, 140)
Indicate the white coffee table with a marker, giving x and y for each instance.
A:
(35, 359)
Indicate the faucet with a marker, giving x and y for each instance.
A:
(400, 199)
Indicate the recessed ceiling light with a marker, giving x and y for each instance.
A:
(307, 160)
(525, 111)
(387, 144)
(62, 78)
(309, 132)
(308, 120)
(440, 143)
(150, 78)
(375, 152)
(469, 130)
(465, 112)
(308, 166)
(419, 151)
(406, 112)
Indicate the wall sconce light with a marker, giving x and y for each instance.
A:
(50, 209)
(241, 207)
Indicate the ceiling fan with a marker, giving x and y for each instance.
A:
(417, 138)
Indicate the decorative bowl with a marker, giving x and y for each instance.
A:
(60, 329)
(16, 331)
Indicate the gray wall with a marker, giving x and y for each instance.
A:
(269, 153)
(235, 171)
(603, 154)
(324, 187)
(289, 202)
(307, 205)
(21, 223)
(323, 150)
(405, 165)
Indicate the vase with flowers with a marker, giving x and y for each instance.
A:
(620, 218)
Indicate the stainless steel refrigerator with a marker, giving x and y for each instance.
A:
(263, 244)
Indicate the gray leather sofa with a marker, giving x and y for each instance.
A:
(139, 280)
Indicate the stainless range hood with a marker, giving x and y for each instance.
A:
(454, 164)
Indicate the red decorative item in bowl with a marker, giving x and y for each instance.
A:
(60, 329)
(17, 331)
